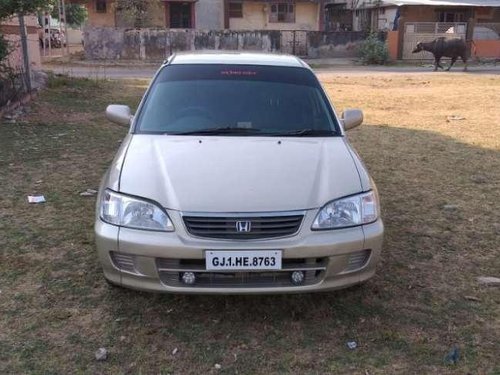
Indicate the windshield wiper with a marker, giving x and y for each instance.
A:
(217, 130)
(248, 131)
(307, 132)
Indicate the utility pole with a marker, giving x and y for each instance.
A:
(62, 19)
(24, 45)
(66, 36)
(46, 34)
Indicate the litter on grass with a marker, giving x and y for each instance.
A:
(453, 356)
(352, 345)
(101, 354)
(88, 193)
(454, 118)
(36, 199)
(489, 280)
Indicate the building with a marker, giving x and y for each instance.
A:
(475, 21)
(374, 15)
(268, 15)
(10, 28)
(212, 14)
(406, 22)
(384, 15)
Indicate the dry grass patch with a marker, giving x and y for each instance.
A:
(56, 309)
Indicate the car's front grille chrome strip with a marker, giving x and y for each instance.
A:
(243, 226)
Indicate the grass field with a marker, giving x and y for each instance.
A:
(432, 143)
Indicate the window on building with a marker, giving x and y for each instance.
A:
(282, 12)
(235, 10)
(181, 15)
(100, 6)
(451, 16)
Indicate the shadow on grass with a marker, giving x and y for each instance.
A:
(439, 199)
(438, 205)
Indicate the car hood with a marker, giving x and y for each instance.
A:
(238, 174)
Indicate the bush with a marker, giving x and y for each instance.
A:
(373, 51)
(11, 84)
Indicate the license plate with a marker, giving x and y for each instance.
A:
(243, 260)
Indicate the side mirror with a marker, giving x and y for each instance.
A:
(119, 114)
(352, 118)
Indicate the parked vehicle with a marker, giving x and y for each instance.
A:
(236, 177)
(57, 38)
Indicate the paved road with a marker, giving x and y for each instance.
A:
(147, 71)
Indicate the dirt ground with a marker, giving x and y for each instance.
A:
(145, 70)
(430, 141)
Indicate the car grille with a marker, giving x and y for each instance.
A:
(243, 227)
(171, 270)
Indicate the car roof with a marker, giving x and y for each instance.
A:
(241, 58)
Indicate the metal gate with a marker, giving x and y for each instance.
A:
(427, 32)
(294, 42)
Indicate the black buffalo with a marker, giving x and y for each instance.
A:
(442, 47)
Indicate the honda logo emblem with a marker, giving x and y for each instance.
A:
(243, 226)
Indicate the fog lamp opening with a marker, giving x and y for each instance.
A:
(188, 278)
(297, 277)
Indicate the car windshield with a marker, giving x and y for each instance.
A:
(241, 100)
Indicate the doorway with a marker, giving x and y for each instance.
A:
(181, 15)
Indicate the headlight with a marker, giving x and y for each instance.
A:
(130, 212)
(347, 212)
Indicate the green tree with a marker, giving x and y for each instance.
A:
(373, 51)
(135, 12)
(9, 8)
(76, 14)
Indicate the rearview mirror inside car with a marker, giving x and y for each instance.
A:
(352, 118)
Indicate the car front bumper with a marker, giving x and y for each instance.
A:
(337, 258)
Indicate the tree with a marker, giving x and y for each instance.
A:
(76, 14)
(9, 8)
(4, 48)
(137, 13)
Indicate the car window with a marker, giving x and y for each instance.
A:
(236, 99)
